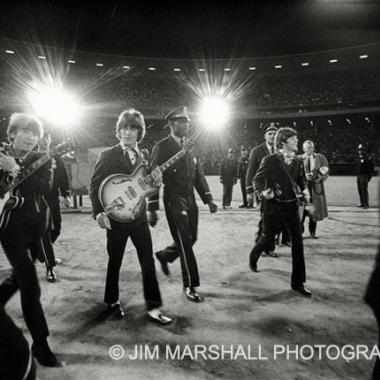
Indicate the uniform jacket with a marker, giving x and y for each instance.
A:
(242, 167)
(316, 186)
(274, 173)
(228, 170)
(111, 161)
(181, 178)
(365, 166)
(255, 158)
(61, 185)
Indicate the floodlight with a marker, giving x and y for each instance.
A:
(214, 112)
(55, 104)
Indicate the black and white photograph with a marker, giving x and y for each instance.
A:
(190, 190)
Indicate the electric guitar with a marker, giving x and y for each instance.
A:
(123, 196)
(6, 191)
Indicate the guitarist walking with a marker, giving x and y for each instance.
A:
(180, 207)
(22, 223)
(124, 158)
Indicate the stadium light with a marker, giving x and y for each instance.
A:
(177, 69)
(251, 68)
(348, 121)
(126, 67)
(55, 104)
(367, 119)
(278, 67)
(201, 69)
(227, 69)
(214, 112)
(71, 61)
(151, 68)
(305, 64)
(41, 57)
(364, 56)
(333, 60)
(99, 64)
(9, 51)
(329, 122)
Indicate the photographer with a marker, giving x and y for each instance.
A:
(316, 171)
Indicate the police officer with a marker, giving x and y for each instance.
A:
(228, 177)
(365, 168)
(242, 172)
(179, 200)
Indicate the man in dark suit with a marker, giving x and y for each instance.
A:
(228, 177)
(242, 172)
(60, 187)
(179, 200)
(124, 158)
(23, 222)
(279, 180)
(16, 360)
(255, 157)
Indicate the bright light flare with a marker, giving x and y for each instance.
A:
(55, 105)
(214, 112)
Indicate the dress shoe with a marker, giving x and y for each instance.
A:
(164, 263)
(58, 261)
(271, 253)
(192, 295)
(366, 207)
(155, 315)
(359, 205)
(41, 351)
(253, 267)
(242, 206)
(115, 310)
(302, 290)
(50, 275)
(313, 235)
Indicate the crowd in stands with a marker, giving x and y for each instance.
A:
(155, 93)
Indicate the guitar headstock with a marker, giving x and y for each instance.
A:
(62, 148)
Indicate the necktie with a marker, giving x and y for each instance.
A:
(308, 165)
(271, 149)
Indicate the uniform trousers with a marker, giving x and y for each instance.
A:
(362, 182)
(227, 193)
(182, 217)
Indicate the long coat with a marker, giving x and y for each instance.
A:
(317, 188)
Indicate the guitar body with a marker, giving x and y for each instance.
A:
(123, 196)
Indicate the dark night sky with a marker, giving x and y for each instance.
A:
(197, 29)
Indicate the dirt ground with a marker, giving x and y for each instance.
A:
(251, 311)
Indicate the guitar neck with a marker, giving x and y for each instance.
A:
(31, 169)
(172, 160)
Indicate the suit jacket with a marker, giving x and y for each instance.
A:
(316, 186)
(255, 158)
(228, 170)
(275, 174)
(30, 216)
(111, 161)
(181, 178)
